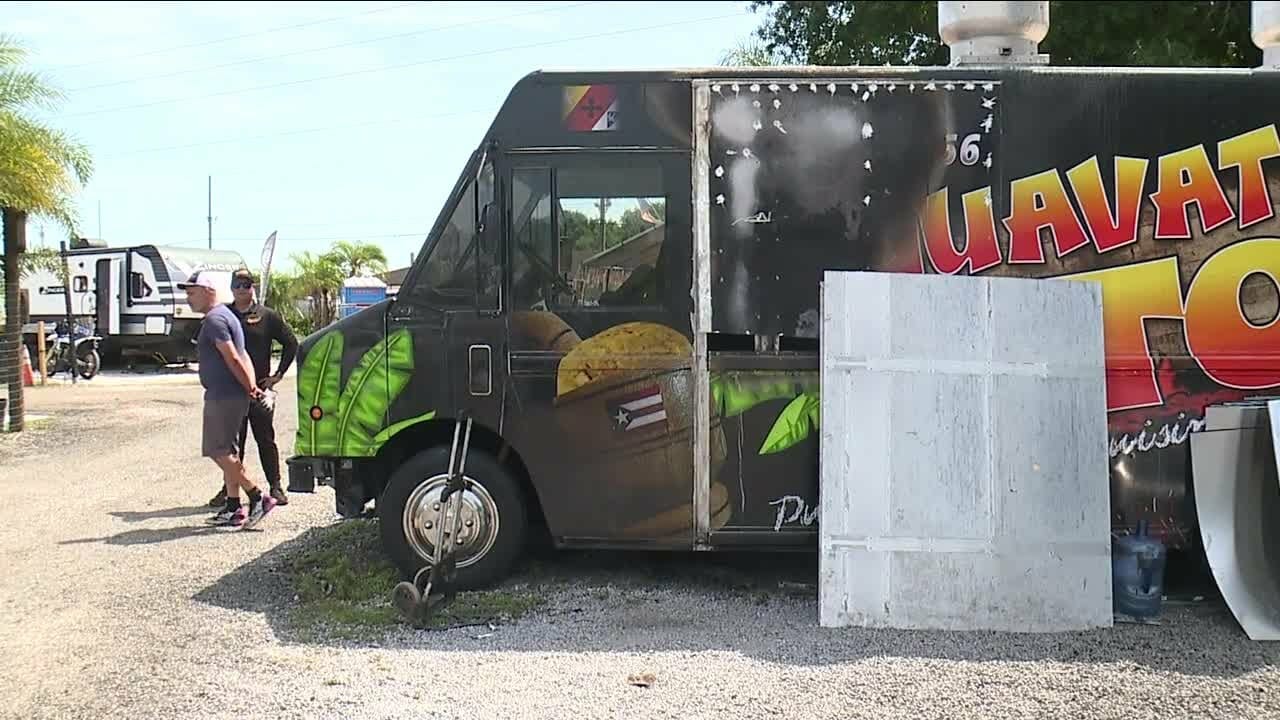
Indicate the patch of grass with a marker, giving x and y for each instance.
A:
(486, 606)
(343, 582)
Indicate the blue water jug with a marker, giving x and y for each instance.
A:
(1137, 573)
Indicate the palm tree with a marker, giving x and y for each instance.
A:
(356, 258)
(320, 278)
(39, 171)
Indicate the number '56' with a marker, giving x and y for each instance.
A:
(969, 150)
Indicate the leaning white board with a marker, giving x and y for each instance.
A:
(1237, 494)
(964, 471)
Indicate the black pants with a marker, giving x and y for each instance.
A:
(264, 435)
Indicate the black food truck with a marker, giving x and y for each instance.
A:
(622, 290)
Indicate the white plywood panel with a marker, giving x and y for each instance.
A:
(964, 475)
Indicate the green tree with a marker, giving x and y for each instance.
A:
(318, 277)
(355, 258)
(283, 295)
(40, 170)
(1202, 34)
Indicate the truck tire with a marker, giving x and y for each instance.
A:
(494, 517)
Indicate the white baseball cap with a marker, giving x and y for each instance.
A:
(198, 279)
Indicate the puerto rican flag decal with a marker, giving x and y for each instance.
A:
(643, 409)
(590, 108)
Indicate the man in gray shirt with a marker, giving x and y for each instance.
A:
(229, 387)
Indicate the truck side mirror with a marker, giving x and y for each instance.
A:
(488, 229)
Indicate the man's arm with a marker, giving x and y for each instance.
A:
(239, 365)
(283, 334)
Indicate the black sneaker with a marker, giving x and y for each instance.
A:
(278, 494)
(227, 515)
(219, 499)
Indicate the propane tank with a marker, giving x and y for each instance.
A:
(1266, 32)
(994, 32)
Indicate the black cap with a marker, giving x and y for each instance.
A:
(244, 274)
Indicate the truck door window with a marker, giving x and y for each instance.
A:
(612, 217)
(533, 255)
(450, 274)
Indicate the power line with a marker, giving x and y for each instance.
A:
(256, 33)
(353, 43)
(304, 131)
(401, 66)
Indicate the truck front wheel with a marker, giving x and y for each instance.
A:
(492, 526)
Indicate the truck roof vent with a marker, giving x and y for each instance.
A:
(1266, 32)
(990, 33)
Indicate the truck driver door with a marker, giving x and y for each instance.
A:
(450, 308)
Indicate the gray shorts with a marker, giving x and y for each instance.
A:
(222, 417)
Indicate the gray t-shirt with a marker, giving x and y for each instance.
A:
(220, 324)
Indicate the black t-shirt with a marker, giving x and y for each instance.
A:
(262, 325)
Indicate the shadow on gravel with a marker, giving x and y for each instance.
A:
(146, 537)
(760, 606)
(130, 516)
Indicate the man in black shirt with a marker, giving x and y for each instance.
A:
(262, 326)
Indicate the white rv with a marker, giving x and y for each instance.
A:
(130, 295)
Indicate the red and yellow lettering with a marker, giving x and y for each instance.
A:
(1186, 177)
(1037, 202)
(1110, 231)
(1231, 350)
(1247, 152)
(1130, 295)
(981, 250)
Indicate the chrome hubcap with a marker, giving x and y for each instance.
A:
(476, 523)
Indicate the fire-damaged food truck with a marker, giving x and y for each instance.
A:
(622, 290)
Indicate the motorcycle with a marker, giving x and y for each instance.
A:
(80, 344)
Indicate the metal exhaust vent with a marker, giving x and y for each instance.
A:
(1266, 32)
(1003, 33)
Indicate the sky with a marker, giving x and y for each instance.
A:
(321, 121)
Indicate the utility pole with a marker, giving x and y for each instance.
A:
(210, 216)
(99, 222)
(604, 208)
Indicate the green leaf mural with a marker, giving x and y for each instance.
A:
(384, 370)
(389, 431)
(319, 382)
(801, 418)
(738, 393)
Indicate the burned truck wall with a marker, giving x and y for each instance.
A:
(813, 176)
(1160, 185)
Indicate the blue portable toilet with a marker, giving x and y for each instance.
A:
(359, 293)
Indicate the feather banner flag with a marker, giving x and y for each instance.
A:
(268, 251)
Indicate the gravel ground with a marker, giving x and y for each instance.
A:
(118, 603)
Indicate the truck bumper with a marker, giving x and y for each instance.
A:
(305, 473)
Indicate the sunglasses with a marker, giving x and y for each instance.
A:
(242, 284)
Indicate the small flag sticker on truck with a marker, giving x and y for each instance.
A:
(590, 108)
(638, 410)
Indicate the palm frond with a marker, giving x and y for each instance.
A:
(40, 166)
(21, 88)
(11, 51)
